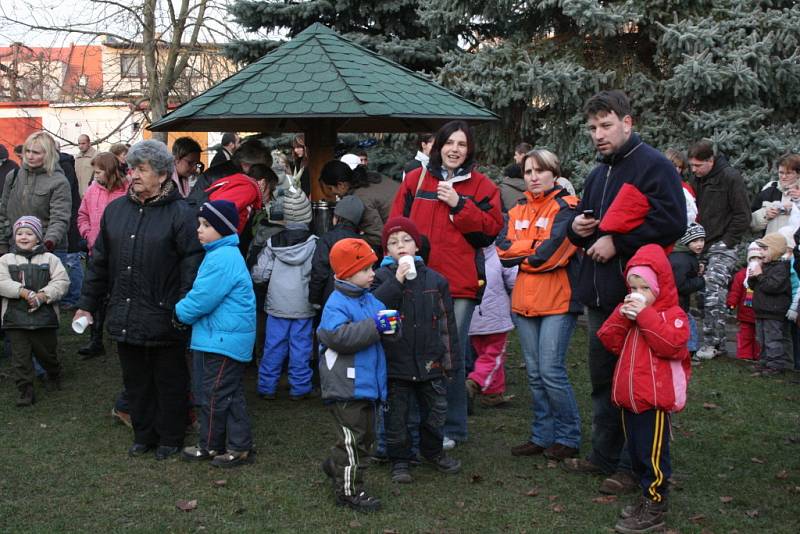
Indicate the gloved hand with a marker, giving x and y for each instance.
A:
(792, 314)
(386, 322)
(179, 326)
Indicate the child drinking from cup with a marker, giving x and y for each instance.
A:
(32, 280)
(418, 362)
(649, 332)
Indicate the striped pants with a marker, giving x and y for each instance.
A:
(647, 434)
(355, 430)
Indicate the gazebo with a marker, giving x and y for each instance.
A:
(320, 83)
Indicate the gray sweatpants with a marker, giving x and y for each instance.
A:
(772, 336)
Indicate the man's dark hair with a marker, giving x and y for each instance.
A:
(424, 137)
(605, 102)
(703, 149)
(523, 148)
(228, 138)
(362, 153)
(252, 151)
(18, 150)
(443, 135)
(183, 146)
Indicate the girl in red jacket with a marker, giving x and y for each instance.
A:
(740, 297)
(649, 331)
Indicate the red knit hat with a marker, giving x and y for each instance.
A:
(401, 224)
(349, 256)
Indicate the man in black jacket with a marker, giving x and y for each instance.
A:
(725, 212)
(75, 244)
(6, 165)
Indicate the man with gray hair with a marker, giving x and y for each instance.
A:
(83, 162)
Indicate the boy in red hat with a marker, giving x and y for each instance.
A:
(352, 368)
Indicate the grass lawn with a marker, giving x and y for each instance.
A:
(736, 463)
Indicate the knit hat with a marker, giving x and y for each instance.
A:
(349, 256)
(296, 207)
(648, 275)
(775, 244)
(29, 221)
(788, 233)
(693, 231)
(350, 208)
(222, 215)
(352, 160)
(754, 250)
(401, 224)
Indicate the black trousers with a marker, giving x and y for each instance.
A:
(431, 397)
(224, 423)
(156, 380)
(355, 430)
(648, 444)
(42, 343)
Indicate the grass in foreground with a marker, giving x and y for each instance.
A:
(736, 461)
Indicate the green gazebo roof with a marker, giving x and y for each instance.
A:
(321, 75)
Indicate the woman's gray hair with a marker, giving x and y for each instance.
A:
(155, 153)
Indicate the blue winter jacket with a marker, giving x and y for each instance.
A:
(221, 306)
(352, 364)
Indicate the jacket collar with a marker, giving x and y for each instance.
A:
(350, 290)
(225, 241)
(633, 143)
(545, 196)
(168, 193)
(28, 254)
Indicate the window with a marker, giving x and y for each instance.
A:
(130, 66)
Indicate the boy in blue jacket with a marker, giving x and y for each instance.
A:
(221, 307)
(352, 369)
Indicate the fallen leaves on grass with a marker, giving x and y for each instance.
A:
(460, 504)
(699, 518)
(605, 499)
(756, 460)
(725, 499)
(186, 506)
(783, 474)
(533, 492)
(219, 483)
(391, 531)
(710, 406)
(475, 478)
(752, 514)
(557, 508)
(355, 523)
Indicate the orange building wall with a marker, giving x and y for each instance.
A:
(14, 131)
(200, 137)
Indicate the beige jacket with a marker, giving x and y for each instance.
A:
(55, 290)
(83, 168)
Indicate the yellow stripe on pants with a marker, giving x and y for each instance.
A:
(655, 456)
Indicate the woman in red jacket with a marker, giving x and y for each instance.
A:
(458, 209)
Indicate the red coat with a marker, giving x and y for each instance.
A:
(477, 217)
(654, 367)
(741, 298)
(242, 191)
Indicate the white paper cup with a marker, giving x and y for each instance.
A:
(412, 271)
(394, 313)
(638, 296)
(79, 325)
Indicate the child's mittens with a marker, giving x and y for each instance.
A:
(792, 314)
(386, 321)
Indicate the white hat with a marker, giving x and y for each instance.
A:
(352, 160)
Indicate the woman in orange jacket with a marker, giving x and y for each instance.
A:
(543, 303)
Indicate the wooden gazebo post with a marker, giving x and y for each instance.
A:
(321, 143)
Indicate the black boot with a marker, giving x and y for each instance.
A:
(26, 396)
(95, 347)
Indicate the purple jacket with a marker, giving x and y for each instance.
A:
(493, 314)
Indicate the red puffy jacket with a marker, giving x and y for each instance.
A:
(654, 367)
(739, 298)
(457, 234)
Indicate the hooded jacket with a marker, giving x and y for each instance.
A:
(637, 196)
(286, 263)
(221, 306)
(772, 290)
(427, 347)
(536, 241)
(456, 234)
(493, 314)
(34, 192)
(723, 204)
(741, 298)
(685, 266)
(654, 367)
(352, 364)
(92, 206)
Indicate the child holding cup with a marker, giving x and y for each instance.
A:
(424, 350)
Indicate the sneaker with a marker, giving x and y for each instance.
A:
(401, 473)
(165, 451)
(448, 444)
(527, 449)
(650, 516)
(233, 459)
(581, 465)
(197, 454)
(360, 502)
(446, 464)
(619, 483)
(632, 509)
(92, 350)
(495, 399)
(26, 396)
(706, 352)
(560, 452)
(140, 449)
(122, 417)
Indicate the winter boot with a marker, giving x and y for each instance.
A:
(360, 502)
(649, 517)
(95, 346)
(26, 396)
(401, 472)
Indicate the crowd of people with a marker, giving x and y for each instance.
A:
(405, 304)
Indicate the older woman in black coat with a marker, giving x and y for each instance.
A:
(145, 258)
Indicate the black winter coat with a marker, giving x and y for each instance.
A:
(684, 267)
(7, 166)
(145, 258)
(723, 204)
(75, 243)
(772, 291)
(428, 344)
(321, 284)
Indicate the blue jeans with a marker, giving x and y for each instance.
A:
(608, 436)
(455, 426)
(72, 263)
(544, 342)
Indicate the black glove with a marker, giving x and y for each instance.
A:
(179, 326)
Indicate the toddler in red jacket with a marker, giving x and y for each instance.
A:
(740, 298)
(649, 331)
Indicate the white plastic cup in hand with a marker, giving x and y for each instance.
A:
(79, 325)
(412, 269)
(637, 297)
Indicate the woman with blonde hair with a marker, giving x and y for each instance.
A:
(38, 188)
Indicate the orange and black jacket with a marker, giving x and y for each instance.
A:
(536, 240)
